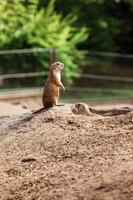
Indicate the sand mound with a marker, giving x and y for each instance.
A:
(67, 157)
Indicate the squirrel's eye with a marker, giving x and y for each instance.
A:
(58, 63)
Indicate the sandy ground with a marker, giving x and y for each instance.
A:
(33, 103)
(67, 157)
(9, 109)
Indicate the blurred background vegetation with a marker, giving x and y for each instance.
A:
(75, 28)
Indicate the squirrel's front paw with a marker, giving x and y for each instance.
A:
(63, 89)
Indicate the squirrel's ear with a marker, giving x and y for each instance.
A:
(50, 67)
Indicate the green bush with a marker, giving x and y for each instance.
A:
(23, 25)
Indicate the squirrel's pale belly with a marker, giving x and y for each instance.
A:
(57, 75)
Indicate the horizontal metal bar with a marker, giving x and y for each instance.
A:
(37, 50)
(23, 51)
(88, 76)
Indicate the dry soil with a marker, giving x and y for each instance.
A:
(58, 156)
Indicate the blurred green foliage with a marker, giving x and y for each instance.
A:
(69, 27)
(109, 21)
(23, 25)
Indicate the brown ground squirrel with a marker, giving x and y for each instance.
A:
(84, 109)
(53, 85)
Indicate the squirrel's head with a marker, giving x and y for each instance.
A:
(57, 66)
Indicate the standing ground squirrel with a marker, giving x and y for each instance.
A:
(53, 85)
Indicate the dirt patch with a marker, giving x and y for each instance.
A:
(67, 157)
(8, 109)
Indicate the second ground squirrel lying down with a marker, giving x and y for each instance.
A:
(84, 109)
(111, 111)
(53, 85)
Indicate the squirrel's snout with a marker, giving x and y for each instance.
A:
(61, 66)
